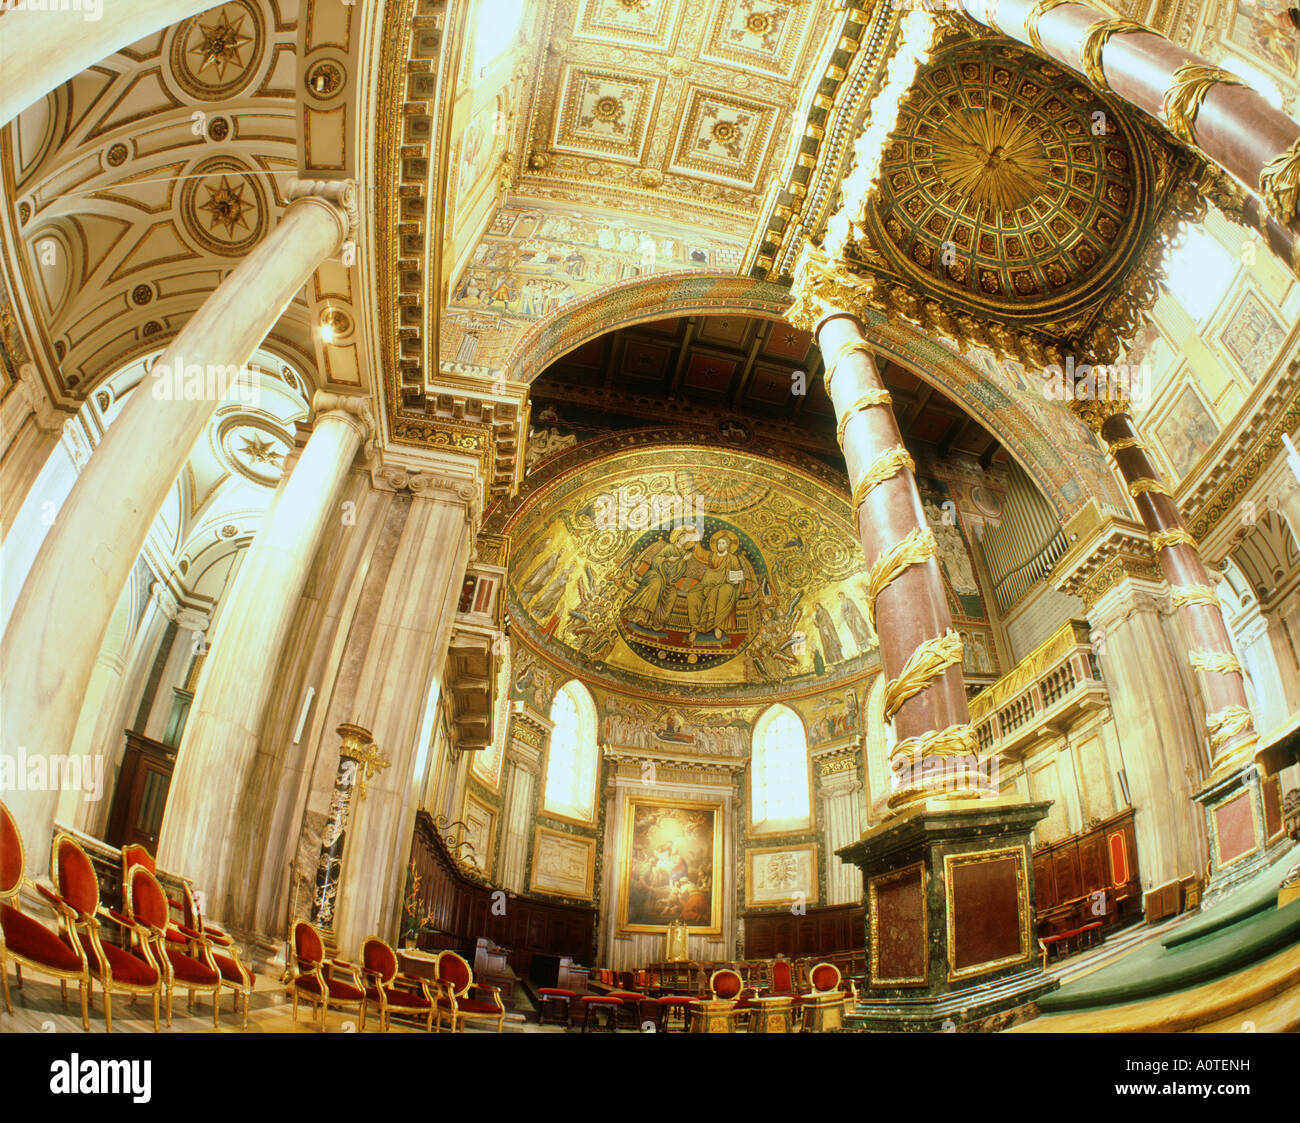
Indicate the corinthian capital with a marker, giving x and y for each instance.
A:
(824, 288)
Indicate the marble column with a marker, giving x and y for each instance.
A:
(62, 614)
(1230, 725)
(403, 660)
(1202, 104)
(43, 47)
(934, 753)
(1159, 735)
(221, 763)
(30, 428)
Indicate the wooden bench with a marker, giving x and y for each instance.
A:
(1074, 940)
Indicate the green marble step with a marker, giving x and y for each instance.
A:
(1159, 969)
(1257, 895)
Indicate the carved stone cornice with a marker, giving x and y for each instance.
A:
(804, 188)
(1106, 551)
(528, 729)
(425, 485)
(629, 764)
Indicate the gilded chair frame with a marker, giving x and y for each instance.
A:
(816, 1003)
(322, 1000)
(192, 918)
(453, 996)
(65, 915)
(221, 945)
(386, 1012)
(157, 937)
(90, 922)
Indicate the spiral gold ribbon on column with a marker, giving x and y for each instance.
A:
(923, 666)
(1217, 662)
(919, 546)
(884, 467)
(868, 401)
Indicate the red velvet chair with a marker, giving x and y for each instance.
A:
(335, 983)
(391, 991)
(189, 964)
(823, 1006)
(783, 981)
(235, 977)
(728, 984)
(455, 1004)
(120, 970)
(26, 941)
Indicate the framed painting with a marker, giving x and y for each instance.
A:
(670, 866)
(563, 864)
(1252, 336)
(774, 875)
(1186, 431)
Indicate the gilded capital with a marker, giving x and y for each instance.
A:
(1095, 414)
(824, 288)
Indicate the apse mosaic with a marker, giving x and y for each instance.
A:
(683, 571)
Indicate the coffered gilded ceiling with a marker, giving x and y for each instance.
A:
(690, 101)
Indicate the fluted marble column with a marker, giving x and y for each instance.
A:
(1230, 725)
(935, 750)
(842, 814)
(1202, 104)
(206, 831)
(41, 49)
(61, 616)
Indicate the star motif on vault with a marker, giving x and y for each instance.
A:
(221, 45)
(226, 205)
(992, 159)
(259, 451)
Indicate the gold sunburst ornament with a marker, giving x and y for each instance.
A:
(226, 206)
(993, 160)
(221, 45)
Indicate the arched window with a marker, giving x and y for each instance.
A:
(778, 772)
(573, 759)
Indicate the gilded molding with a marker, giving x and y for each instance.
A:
(1036, 13)
(842, 352)
(1184, 595)
(1183, 100)
(1279, 185)
(1163, 539)
(1095, 414)
(1094, 43)
(1145, 485)
(1227, 723)
(868, 401)
(917, 548)
(923, 666)
(1216, 662)
(885, 466)
(1126, 443)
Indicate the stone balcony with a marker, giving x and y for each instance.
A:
(1045, 692)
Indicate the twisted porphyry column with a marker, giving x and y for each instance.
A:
(935, 752)
(62, 614)
(1230, 724)
(1202, 104)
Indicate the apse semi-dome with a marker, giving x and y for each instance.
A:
(681, 571)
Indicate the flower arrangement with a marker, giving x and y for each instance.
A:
(415, 922)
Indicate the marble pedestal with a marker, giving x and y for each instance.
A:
(1238, 830)
(951, 931)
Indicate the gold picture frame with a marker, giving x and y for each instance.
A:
(1026, 952)
(811, 892)
(669, 847)
(873, 911)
